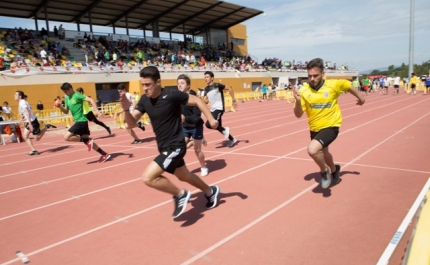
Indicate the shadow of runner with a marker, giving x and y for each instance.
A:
(212, 165)
(316, 176)
(56, 149)
(112, 156)
(198, 203)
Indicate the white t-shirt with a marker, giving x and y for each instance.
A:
(21, 109)
(6, 109)
(131, 99)
(42, 54)
(397, 80)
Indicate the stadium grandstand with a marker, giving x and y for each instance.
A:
(203, 35)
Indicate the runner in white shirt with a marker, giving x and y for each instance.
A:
(121, 90)
(31, 123)
(396, 84)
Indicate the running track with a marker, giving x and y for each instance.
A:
(63, 207)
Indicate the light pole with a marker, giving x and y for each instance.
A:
(411, 39)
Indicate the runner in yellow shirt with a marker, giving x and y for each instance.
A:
(414, 81)
(89, 113)
(318, 99)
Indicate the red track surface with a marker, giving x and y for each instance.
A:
(63, 207)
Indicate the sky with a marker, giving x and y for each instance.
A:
(365, 34)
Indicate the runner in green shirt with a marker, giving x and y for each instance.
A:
(79, 132)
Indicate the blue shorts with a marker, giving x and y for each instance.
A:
(195, 133)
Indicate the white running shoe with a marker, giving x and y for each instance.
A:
(232, 142)
(226, 132)
(204, 171)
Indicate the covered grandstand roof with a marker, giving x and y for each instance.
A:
(171, 15)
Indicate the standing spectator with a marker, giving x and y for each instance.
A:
(318, 99)
(44, 34)
(55, 32)
(61, 32)
(39, 105)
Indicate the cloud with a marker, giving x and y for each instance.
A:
(364, 33)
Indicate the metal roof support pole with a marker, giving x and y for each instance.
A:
(78, 24)
(126, 24)
(155, 30)
(170, 34)
(183, 32)
(90, 21)
(113, 28)
(36, 24)
(46, 18)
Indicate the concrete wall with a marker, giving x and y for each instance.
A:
(46, 87)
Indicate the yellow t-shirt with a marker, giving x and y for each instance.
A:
(414, 80)
(86, 107)
(321, 106)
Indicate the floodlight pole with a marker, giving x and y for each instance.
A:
(411, 39)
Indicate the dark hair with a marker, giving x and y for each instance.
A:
(20, 94)
(66, 86)
(209, 73)
(121, 87)
(185, 77)
(151, 72)
(6, 103)
(80, 90)
(316, 63)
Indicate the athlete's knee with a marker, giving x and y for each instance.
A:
(208, 125)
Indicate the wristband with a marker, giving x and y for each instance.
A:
(126, 110)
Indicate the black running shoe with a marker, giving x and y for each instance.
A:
(181, 203)
(213, 199)
(140, 125)
(108, 129)
(335, 175)
(136, 141)
(33, 153)
(48, 125)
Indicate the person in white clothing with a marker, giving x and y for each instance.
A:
(31, 123)
(122, 91)
(396, 84)
(6, 109)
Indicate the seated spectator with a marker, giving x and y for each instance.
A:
(39, 105)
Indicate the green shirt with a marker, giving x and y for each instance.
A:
(75, 104)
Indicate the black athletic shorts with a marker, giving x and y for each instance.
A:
(36, 126)
(171, 159)
(90, 116)
(80, 128)
(325, 136)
